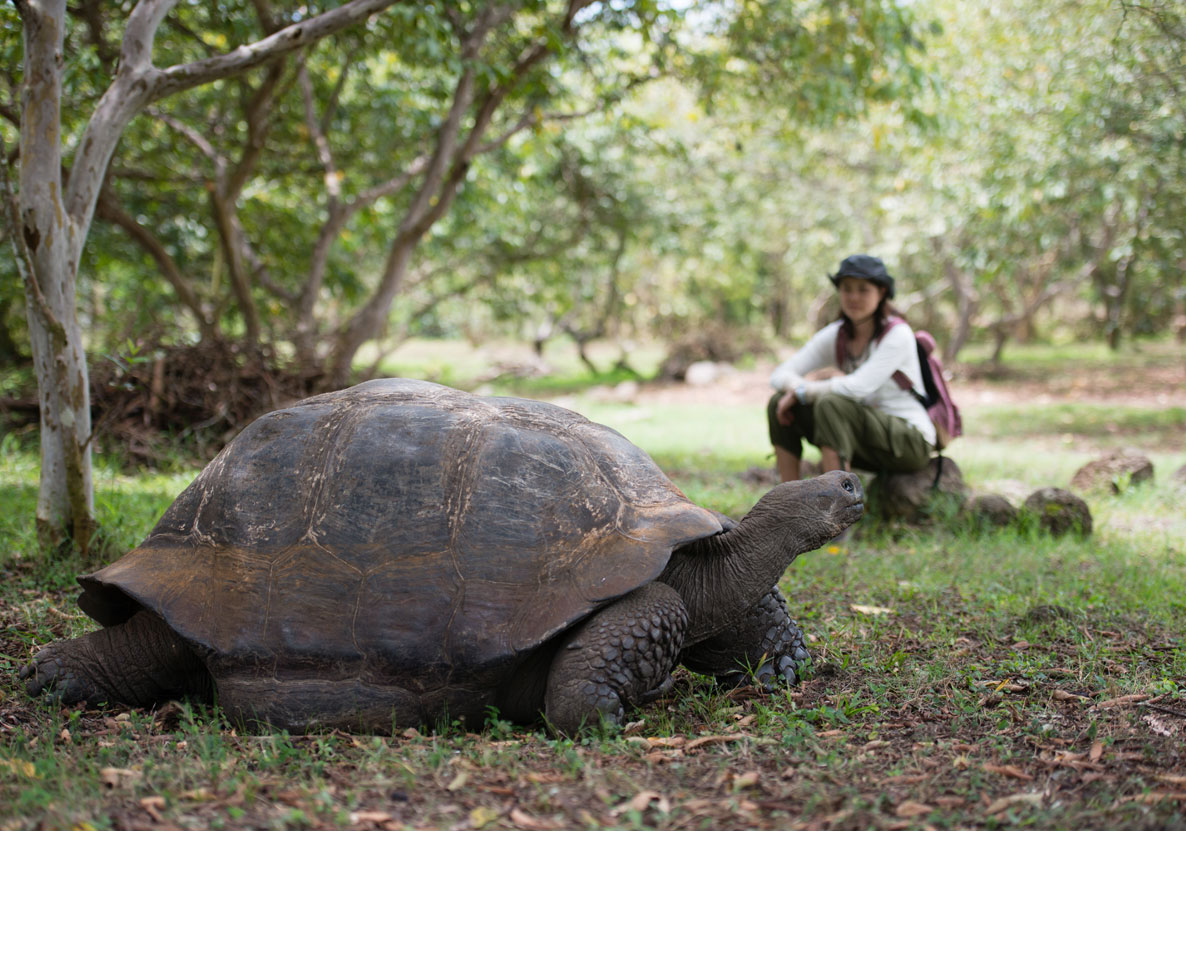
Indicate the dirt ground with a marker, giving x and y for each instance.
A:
(1043, 742)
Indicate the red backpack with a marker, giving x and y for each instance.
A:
(942, 409)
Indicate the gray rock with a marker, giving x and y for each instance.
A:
(760, 475)
(701, 373)
(992, 508)
(1060, 511)
(912, 495)
(1115, 471)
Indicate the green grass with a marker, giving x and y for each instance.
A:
(961, 679)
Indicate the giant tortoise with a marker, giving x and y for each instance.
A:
(401, 553)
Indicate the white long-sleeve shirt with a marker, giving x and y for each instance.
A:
(867, 380)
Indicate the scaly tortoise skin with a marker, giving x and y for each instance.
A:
(401, 553)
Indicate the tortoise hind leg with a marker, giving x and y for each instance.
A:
(139, 663)
(619, 658)
(765, 644)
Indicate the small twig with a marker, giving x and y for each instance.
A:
(1162, 710)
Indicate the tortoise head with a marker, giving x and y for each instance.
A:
(722, 577)
(808, 513)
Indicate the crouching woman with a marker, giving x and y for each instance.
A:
(867, 417)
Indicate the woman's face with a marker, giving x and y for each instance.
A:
(859, 298)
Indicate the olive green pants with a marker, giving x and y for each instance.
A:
(862, 436)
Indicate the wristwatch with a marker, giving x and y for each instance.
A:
(800, 393)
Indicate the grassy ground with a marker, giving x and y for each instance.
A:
(962, 678)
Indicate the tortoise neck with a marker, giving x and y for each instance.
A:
(720, 578)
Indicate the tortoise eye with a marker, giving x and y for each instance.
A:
(847, 485)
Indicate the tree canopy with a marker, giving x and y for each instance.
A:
(303, 182)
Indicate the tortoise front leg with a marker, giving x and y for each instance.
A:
(619, 658)
(765, 644)
(139, 663)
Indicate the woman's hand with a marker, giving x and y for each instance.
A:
(782, 410)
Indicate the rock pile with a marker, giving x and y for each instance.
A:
(916, 496)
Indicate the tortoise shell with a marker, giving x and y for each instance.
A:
(403, 532)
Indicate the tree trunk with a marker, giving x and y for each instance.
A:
(65, 502)
(54, 218)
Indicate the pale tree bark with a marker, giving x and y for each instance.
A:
(55, 217)
(47, 243)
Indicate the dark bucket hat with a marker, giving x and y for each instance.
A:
(865, 268)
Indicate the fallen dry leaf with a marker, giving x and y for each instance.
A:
(525, 821)
(638, 803)
(1153, 797)
(1179, 780)
(373, 818)
(1065, 695)
(909, 809)
(712, 739)
(673, 742)
(1032, 799)
(1125, 701)
(482, 816)
(119, 777)
(1097, 751)
(21, 767)
(746, 780)
(1009, 771)
(869, 610)
(1159, 725)
(153, 805)
(458, 781)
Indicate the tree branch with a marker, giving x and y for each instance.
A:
(181, 77)
(110, 210)
(138, 83)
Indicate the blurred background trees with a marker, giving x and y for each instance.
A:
(636, 170)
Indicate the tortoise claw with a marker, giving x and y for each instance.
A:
(774, 674)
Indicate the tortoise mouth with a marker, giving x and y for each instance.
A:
(851, 513)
